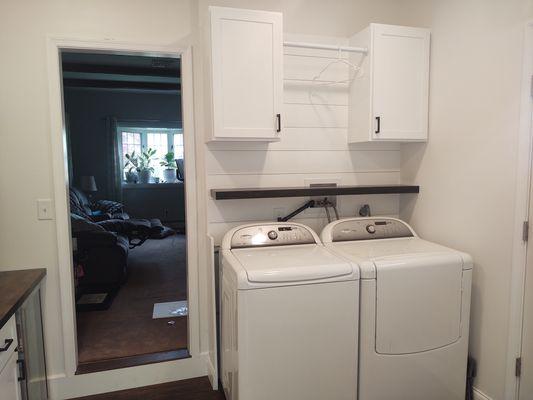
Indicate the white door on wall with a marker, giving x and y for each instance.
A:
(526, 373)
(400, 82)
(247, 77)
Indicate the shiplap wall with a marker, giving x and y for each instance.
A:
(313, 149)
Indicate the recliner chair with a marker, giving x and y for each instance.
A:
(102, 254)
(95, 211)
(104, 234)
(110, 216)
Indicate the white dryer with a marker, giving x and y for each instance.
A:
(289, 316)
(414, 315)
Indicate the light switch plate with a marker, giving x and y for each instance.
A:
(45, 211)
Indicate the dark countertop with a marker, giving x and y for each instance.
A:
(15, 287)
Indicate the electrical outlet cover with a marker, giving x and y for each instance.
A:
(45, 211)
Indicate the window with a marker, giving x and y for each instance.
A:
(162, 140)
(131, 141)
(159, 143)
(178, 146)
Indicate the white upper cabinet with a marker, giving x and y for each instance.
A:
(246, 74)
(389, 97)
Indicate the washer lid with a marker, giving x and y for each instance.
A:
(299, 263)
(365, 252)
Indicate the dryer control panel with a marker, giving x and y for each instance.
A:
(370, 228)
(271, 235)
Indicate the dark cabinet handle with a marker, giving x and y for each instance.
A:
(278, 118)
(7, 345)
(378, 127)
(22, 370)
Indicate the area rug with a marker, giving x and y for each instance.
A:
(157, 273)
(98, 301)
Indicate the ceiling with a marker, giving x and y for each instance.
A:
(121, 72)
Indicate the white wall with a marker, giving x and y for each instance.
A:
(467, 169)
(25, 119)
(287, 162)
(313, 148)
(26, 242)
(313, 145)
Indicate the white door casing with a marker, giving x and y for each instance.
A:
(68, 384)
(522, 214)
(525, 365)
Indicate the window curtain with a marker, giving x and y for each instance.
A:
(114, 178)
(68, 141)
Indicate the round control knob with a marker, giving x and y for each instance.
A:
(272, 235)
(371, 229)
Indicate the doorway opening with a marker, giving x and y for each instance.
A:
(125, 162)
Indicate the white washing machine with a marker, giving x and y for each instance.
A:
(414, 314)
(289, 316)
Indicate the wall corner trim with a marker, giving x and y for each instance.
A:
(479, 395)
(212, 373)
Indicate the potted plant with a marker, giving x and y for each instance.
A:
(132, 163)
(169, 173)
(144, 169)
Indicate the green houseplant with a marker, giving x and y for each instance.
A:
(143, 168)
(169, 173)
(131, 164)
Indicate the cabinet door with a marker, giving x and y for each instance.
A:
(247, 60)
(9, 385)
(29, 320)
(8, 341)
(400, 82)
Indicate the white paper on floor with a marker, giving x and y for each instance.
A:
(170, 309)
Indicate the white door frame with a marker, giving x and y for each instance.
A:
(523, 179)
(69, 384)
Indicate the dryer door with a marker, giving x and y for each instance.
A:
(418, 302)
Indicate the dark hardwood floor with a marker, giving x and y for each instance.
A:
(126, 332)
(124, 362)
(190, 389)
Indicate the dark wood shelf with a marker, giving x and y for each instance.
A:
(264, 193)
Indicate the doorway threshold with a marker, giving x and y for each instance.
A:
(131, 361)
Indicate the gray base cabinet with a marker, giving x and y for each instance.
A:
(31, 358)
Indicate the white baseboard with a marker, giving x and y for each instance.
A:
(212, 374)
(479, 395)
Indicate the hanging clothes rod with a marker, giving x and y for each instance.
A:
(350, 49)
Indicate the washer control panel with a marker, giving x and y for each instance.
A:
(370, 228)
(271, 235)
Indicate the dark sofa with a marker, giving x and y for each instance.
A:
(98, 210)
(104, 234)
(102, 254)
